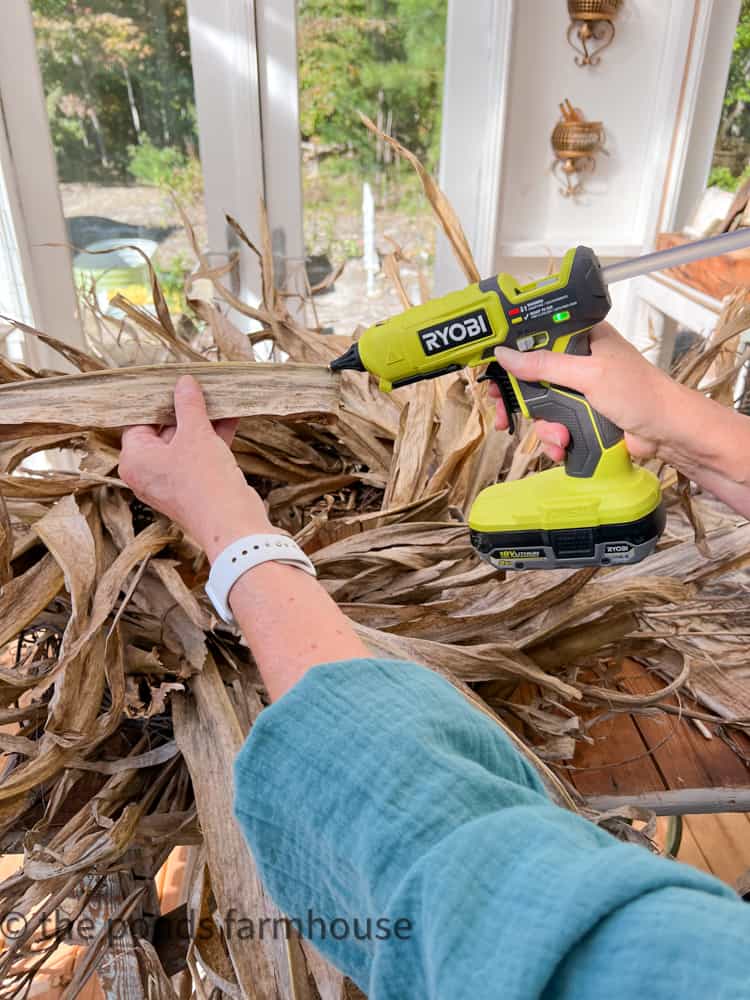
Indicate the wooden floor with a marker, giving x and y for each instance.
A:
(649, 753)
(718, 844)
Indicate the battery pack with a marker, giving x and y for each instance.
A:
(552, 520)
(602, 545)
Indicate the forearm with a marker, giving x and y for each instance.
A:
(290, 624)
(288, 620)
(710, 444)
(374, 790)
(734, 495)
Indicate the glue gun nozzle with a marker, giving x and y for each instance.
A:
(348, 361)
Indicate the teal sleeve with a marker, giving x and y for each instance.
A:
(373, 791)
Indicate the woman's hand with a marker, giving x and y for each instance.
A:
(189, 474)
(662, 419)
(617, 381)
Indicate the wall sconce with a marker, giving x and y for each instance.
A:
(576, 144)
(592, 21)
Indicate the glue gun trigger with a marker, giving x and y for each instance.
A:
(498, 376)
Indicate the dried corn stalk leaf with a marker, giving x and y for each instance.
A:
(67, 535)
(144, 395)
(208, 733)
(6, 543)
(26, 596)
(440, 205)
(79, 359)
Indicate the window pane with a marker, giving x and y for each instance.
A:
(730, 167)
(385, 58)
(119, 89)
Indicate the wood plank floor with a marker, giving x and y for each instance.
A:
(634, 754)
(649, 751)
(717, 843)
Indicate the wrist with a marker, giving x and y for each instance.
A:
(227, 520)
(677, 435)
(702, 434)
(233, 531)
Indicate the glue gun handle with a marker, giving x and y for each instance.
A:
(591, 433)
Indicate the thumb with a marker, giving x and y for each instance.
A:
(190, 406)
(546, 366)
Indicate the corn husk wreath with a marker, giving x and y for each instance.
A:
(123, 698)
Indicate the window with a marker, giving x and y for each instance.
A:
(108, 114)
(385, 58)
(119, 89)
(730, 166)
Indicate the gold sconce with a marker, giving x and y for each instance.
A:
(592, 23)
(576, 143)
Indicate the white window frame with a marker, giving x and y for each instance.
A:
(225, 73)
(244, 61)
(244, 58)
(276, 25)
(14, 295)
(28, 163)
(479, 35)
(702, 92)
(237, 85)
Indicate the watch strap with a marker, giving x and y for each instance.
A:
(245, 554)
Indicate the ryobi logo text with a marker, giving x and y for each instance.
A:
(454, 332)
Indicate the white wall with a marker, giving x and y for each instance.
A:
(658, 90)
(621, 92)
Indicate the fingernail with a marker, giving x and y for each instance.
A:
(184, 382)
(506, 356)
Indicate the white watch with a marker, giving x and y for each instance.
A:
(245, 554)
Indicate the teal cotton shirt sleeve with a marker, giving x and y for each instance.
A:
(374, 791)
